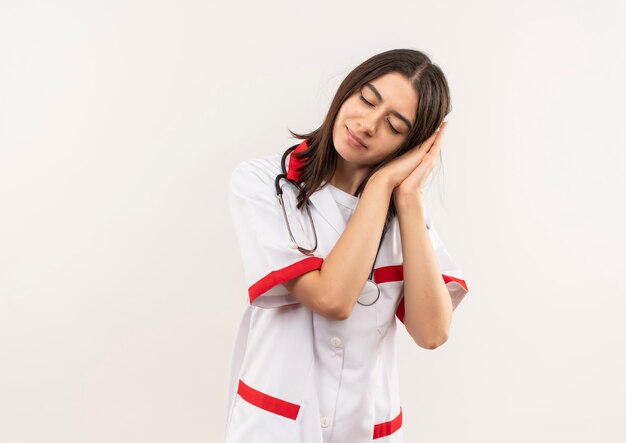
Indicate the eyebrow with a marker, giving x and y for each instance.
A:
(380, 97)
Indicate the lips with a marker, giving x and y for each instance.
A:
(354, 139)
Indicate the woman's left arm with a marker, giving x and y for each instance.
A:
(427, 303)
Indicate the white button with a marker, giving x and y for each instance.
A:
(324, 421)
(336, 342)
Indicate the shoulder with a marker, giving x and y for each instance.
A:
(255, 172)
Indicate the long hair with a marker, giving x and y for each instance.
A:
(319, 161)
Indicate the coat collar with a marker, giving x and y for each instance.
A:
(322, 199)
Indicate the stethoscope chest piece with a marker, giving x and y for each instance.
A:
(369, 294)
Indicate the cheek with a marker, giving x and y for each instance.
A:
(387, 149)
(338, 119)
(349, 108)
(338, 126)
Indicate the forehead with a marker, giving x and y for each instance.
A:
(397, 92)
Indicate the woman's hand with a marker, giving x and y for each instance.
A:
(407, 166)
(414, 181)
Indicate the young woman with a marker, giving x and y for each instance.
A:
(349, 248)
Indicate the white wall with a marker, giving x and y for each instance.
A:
(120, 287)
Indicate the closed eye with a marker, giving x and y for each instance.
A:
(390, 125)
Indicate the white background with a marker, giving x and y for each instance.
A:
(120, 281)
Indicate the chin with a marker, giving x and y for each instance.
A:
(347, 156)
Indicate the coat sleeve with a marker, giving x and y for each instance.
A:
(451, 273)
(266, 250)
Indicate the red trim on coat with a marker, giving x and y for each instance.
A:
(295, 163)
(448, 278)
(267, 402)
(400, 310)
(388, 427)
(386, 274)
(282, 275)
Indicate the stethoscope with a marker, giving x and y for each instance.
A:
(371, 292)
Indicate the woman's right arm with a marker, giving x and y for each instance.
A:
(333, 290)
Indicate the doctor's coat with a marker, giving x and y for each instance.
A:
(297, 376)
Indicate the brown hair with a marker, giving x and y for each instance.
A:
(320, 159)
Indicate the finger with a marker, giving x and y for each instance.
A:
(431, 156)
(434, 151)
(440, 128)
(428, 142)
(437, 135)
(437, 142)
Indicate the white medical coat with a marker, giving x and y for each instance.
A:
(297, 376)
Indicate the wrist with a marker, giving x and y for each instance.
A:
(407, 199)
(380, 179)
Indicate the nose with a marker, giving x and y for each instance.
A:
(368, 123)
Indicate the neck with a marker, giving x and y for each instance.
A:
(348, 176)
